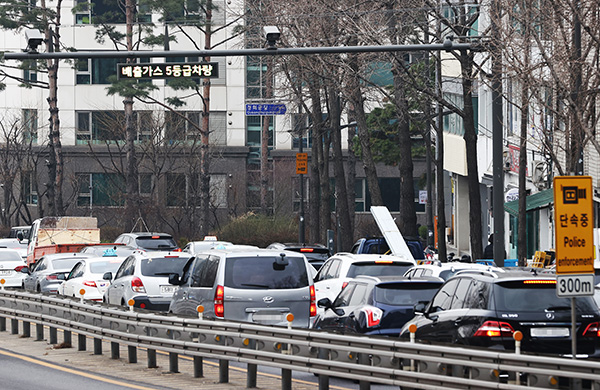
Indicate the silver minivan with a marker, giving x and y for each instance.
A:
(251, 285)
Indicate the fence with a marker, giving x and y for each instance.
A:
(365, 359)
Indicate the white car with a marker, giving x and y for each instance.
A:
(11, 263)
(337, 271)
(14, 243)
(87, 275)
(446, 270)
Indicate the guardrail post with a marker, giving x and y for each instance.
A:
(67, 338)
(286, 379)
(14, 326)
(132, 354)
(53, 335)
(2, 324)
(81, 341)
(26, 329)
(251, 369)
(115, 351)
(39, 332)
(198, 369)
(364, 359)
(323, 379)
(223, 371)
(152, 358)
(173, 362)
(97, 346)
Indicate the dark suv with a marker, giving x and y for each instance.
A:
(148, 241)
(480, 308)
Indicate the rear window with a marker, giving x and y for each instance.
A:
(264, 273)
(161, 243)
(10, 256)
(375, 268)
(405, 293)
(521, 296)
(66, 264)
(163, 266)
(100, 267)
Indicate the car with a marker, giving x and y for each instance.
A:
(378, 245)
(199, 246)
(251, 285)
(316, 254)
(111, 249)
(446, 270)
(87, 275)
(148, 241)
(375, 305)
(15, 244)
(46, 274)
(11, 263)
(337, 271)
(485, 309)
(20, 232)
(144, 277)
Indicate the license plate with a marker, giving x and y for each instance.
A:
(5, 272)
(266, 317)
(167, 289)
(550, 332)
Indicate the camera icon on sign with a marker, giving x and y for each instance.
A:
(572, 194)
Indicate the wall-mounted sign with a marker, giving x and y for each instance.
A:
(168, 70)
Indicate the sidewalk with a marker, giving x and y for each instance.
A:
(134, 373)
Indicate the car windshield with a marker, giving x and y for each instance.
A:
(10, 256)
(65, 264)
(263, 272)
(405, 293)
(163, 266)
(378, 268)
(100, 267)
(523, 297)
(161, 243)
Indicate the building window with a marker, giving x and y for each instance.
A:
(101, 189)
(184, 190)
(254, 133)
(360, 199)
(145, 183)
(182, 125)
(96, 70)
(300, 127)
(218, 191)
(176, 189)
(100, 126)
(30, 126)
(30, 188)
(256, 81)
(30, 74)
(145, 125)
(192, 12)
(218, 128)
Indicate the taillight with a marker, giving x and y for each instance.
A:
(51, 277)
(307, 250)
(91, 283)
(137, 285)
(373, 315)
(494, 329)
(219, 298)
(19, 268)
(313, 301)
(344, 285)
(592, 330)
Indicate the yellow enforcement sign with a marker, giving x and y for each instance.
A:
(301, 163)
(573, 219)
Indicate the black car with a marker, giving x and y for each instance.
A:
(148, 241)
(485, 309)
(316, 254)
(375, 305)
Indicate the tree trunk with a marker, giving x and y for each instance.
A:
(205, 149)
(470, 138)
(132, 185)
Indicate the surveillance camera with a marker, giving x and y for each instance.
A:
(34, 38)
(272, 35)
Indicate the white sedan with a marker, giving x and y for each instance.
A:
(11, 263)
(87, 276)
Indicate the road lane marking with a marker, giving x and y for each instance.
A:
(73, 371)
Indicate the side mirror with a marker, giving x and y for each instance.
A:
(25, 270)
(20, 236)
(174, 279)
(61, 276)
(420, 307)
(325, 303)
(107, 276)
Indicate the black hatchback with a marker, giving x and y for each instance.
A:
(485, 309)
(375, 305)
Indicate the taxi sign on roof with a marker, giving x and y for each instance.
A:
(573, 216)
(111, 252)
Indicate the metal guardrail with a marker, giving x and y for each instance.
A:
(365, 359)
